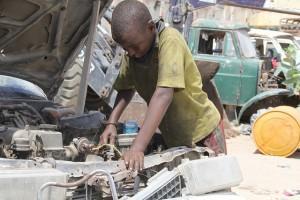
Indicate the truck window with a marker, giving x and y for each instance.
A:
(270, 50)
(211, 42)
(229, 49)
(259, 46)
(287, 43)
(246, 46)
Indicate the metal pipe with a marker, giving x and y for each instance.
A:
(136, 186)
(61, 18)
(87, 59)
(80, 182)
(9, 58)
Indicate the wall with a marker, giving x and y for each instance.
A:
(251, 17)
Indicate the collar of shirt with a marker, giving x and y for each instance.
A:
(160, 26)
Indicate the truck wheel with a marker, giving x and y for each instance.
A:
(68, 92)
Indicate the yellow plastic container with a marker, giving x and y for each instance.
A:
(277, 132)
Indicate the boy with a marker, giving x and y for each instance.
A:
(160, 67)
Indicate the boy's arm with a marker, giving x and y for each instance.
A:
(159, 103)
(125, 87)
(122, 100)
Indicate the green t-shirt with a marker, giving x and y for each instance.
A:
(191, 116)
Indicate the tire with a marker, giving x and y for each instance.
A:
(68, 92)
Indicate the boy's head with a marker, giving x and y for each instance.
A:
(132, 27)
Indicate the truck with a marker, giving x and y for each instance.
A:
(242, 83)
(273, 45)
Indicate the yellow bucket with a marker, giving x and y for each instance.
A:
(277, 132)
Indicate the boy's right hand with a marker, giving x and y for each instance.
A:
(110, 133)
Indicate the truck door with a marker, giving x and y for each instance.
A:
(218, 46)
(250, 66)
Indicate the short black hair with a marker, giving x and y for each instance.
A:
(127, 15)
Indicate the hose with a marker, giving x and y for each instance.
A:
(80, 182)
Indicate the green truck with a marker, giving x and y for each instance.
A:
(243, 85)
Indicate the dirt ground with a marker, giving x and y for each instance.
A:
(265, 177)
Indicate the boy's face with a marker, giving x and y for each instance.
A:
(137, 43)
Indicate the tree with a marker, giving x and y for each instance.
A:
(293, 74)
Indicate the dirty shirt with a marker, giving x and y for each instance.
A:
(191, 116)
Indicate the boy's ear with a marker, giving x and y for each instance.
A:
(151, 25)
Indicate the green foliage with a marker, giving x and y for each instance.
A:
(291, 55)
(293, 74)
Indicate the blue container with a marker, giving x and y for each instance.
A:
(130, 127)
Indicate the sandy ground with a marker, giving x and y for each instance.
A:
(265, 177)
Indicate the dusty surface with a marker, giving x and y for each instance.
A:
(265, 177)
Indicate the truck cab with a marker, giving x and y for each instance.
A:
(274, 45)
(243, 85)
(231, 47)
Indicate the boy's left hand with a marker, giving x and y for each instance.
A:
(134, 159)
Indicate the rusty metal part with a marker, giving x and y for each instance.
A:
(78, 147)
(83, 144)
(107, 150)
